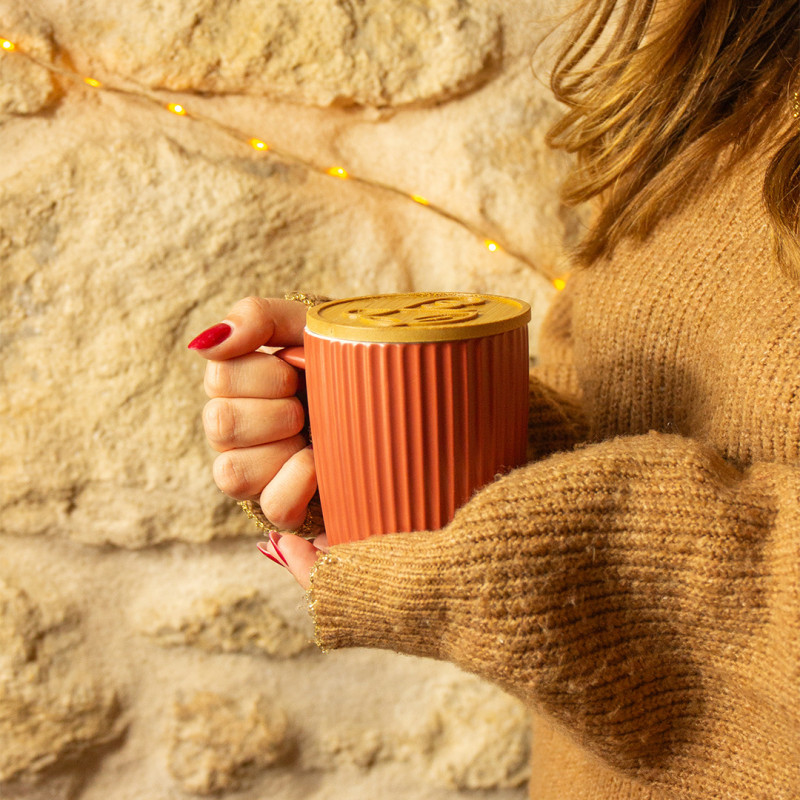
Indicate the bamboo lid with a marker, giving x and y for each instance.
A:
(417, 317)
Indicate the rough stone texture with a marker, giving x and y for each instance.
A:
(97, 302)
(50, 710)
(479, 738)
(376, 53)
(217, 744)
(124, 230)
(355, 746)
(237, 620)
(506, 149)
(100, 290)
(470, 736)
(25, 87)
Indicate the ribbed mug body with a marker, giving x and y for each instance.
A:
(405, 432)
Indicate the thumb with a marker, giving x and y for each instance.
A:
(251, 323)
(292, 552)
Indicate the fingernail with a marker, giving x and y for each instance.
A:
(262, 548)
(275, 537)
(214, 335)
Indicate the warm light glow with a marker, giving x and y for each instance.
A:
(258, 144)
(559, 283)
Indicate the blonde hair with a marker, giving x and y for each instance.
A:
(657, 90)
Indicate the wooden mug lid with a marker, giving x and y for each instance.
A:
(417, 317)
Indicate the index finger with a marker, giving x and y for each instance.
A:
(250, 324)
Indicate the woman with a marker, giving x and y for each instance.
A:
(637, 583)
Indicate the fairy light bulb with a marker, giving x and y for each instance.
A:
(257, 144)
(559, 283)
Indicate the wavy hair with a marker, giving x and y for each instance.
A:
(657, 90)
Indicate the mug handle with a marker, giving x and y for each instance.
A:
(295, 356)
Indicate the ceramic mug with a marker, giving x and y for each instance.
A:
(415, 401)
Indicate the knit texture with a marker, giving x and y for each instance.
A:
(638, 582)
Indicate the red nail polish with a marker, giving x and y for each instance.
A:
(262, 548)
(215, 335)
(275, 537)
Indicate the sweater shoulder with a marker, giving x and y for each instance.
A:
(695, 330)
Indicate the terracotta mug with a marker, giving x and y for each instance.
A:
(415, 401)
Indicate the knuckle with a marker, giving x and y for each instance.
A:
(219, 421)
(306, 468)
(250, 303)
(284, 379)
(230, 476)
(256, 309)
(292, 446)
(285, 501)
(274, 507)
(217, 379)
(295, 416)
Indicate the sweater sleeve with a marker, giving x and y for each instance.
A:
(556, 419)
(641, 591)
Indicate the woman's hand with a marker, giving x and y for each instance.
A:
(254, 418)
(296, 554)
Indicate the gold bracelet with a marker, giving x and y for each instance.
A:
(309, 300)
(306, 530)
(262, 522)
(255, 513)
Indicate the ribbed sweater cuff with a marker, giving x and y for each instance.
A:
(383, 591)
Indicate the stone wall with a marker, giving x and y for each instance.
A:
(146, 649)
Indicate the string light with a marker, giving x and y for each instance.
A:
(257, 144)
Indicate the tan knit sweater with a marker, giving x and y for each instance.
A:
(638, 583)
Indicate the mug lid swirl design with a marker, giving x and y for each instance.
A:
(417, 317)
